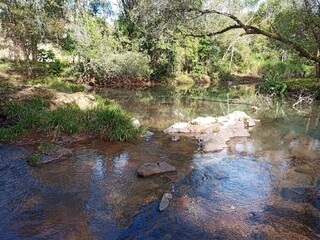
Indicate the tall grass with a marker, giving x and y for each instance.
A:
(106, 121)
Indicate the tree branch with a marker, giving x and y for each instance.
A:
(249, 29)
(211, 34)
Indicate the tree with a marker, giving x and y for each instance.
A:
(293, 23)
(27, 23)
(302, 35)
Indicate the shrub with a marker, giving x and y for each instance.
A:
(129, 64)
(46, 55)
(119, 65)
(271, 85)
(184, 79)
(56, 67)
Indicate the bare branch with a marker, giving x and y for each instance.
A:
(211, 34)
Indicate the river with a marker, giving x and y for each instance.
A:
(263, 187)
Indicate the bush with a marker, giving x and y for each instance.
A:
(287, 69)
(56, 67)
(271, 85)
(46, 55)
(184, 79)
(307, 85)
(129, 64)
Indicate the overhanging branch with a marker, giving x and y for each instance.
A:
(249, 29)
(211, 34)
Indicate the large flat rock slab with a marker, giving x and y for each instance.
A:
(150, 169)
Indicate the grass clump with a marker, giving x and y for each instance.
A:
(105, 121)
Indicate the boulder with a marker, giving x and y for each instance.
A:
(181, 127)
(250, 122)
(82, 100)
(149, 169)
(165, 201)
(213, 143)
(239, 130)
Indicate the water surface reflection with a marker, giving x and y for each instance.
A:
(263, 187)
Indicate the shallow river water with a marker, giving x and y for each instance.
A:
(263, 187)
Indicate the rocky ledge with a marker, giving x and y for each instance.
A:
(212, 133)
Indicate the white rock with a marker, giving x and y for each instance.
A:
(181, 127)
(136, 123)
(204, 120)
(165, 201)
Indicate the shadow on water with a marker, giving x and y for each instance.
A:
(263, 187)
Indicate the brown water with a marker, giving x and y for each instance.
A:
(263, 187)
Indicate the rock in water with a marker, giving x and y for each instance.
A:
(53, 154)
(174, 138)
(149, 169)
(165, 201)
(214, 133)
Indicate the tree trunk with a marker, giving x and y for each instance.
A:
(16, 55)
(30, 74)
(318, 65)
(34, 50)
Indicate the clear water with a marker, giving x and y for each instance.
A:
(263, 187)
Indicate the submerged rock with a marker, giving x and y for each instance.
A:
(165, 201)
(149, 169)
(148, 134)
(51, 154)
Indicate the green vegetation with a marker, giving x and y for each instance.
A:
(106, 121)
(184, 79)
(271, 86)
(309, 85)
(56, 83)
(42, 149)
(162, 41)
